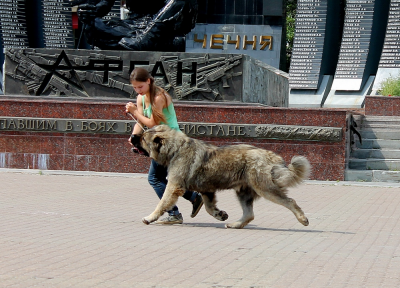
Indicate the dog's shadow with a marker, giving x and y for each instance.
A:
(254, 227)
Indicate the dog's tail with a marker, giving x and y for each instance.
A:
(298, 170)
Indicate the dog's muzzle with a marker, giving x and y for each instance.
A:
(137, 148)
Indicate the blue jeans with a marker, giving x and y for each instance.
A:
(158, 180)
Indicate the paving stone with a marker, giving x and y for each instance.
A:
(85, 230)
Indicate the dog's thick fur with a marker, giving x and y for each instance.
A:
(197, 166)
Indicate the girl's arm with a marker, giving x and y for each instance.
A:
(159, 104)
(131, 108)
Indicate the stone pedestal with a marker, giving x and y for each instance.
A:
(23, 147)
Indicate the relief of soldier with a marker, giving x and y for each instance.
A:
(154, 25)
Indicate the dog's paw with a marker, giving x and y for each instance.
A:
(235, 225)
(221, 215)
(145, 221)
(303, 220)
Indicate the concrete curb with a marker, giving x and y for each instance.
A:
(73, 173)
(142, 175)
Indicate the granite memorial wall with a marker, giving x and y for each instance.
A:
(353, 63)
(315, 49)
(13, 23)
(46, 128)
(363, 35)
(36, 23)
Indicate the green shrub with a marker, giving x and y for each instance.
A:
(390, 86)
(291, 6)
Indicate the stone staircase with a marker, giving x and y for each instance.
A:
(377, 158)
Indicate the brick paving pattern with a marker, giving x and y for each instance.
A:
(86, 231)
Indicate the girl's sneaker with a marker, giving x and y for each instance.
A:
(171, 219)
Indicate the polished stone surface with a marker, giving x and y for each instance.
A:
(382, 105)
(112, 153)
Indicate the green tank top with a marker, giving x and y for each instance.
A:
(168, 112)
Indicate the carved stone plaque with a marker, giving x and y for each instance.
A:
(91, 73)
(13, 24)
(57, 24)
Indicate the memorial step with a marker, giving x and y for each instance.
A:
(377, 158)
(372, 176)
(375, 153)
(377, 121)
(374, 164)
(377, 144)
(387, 133)
(394, 126)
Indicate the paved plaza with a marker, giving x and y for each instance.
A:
(85, 230)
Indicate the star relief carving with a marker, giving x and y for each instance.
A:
(53, 71)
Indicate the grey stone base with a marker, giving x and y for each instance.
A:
(299, 98)
(372, 176)
(349, 99)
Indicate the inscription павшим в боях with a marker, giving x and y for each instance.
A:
(25, 124)
(261, 131)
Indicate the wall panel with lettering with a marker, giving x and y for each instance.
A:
(389, 64)
(57, 24)
(13, 24)
(363, 36)
(13, 29)
(316, 42)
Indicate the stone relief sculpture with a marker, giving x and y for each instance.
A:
(87, 73)
(156, 25)
(290, 132)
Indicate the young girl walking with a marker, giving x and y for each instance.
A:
(153, 107)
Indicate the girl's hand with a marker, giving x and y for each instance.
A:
(130, 108)
(130, 141)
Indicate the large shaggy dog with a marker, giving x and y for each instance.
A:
(197, 166)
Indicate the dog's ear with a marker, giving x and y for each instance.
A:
(158, 143)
